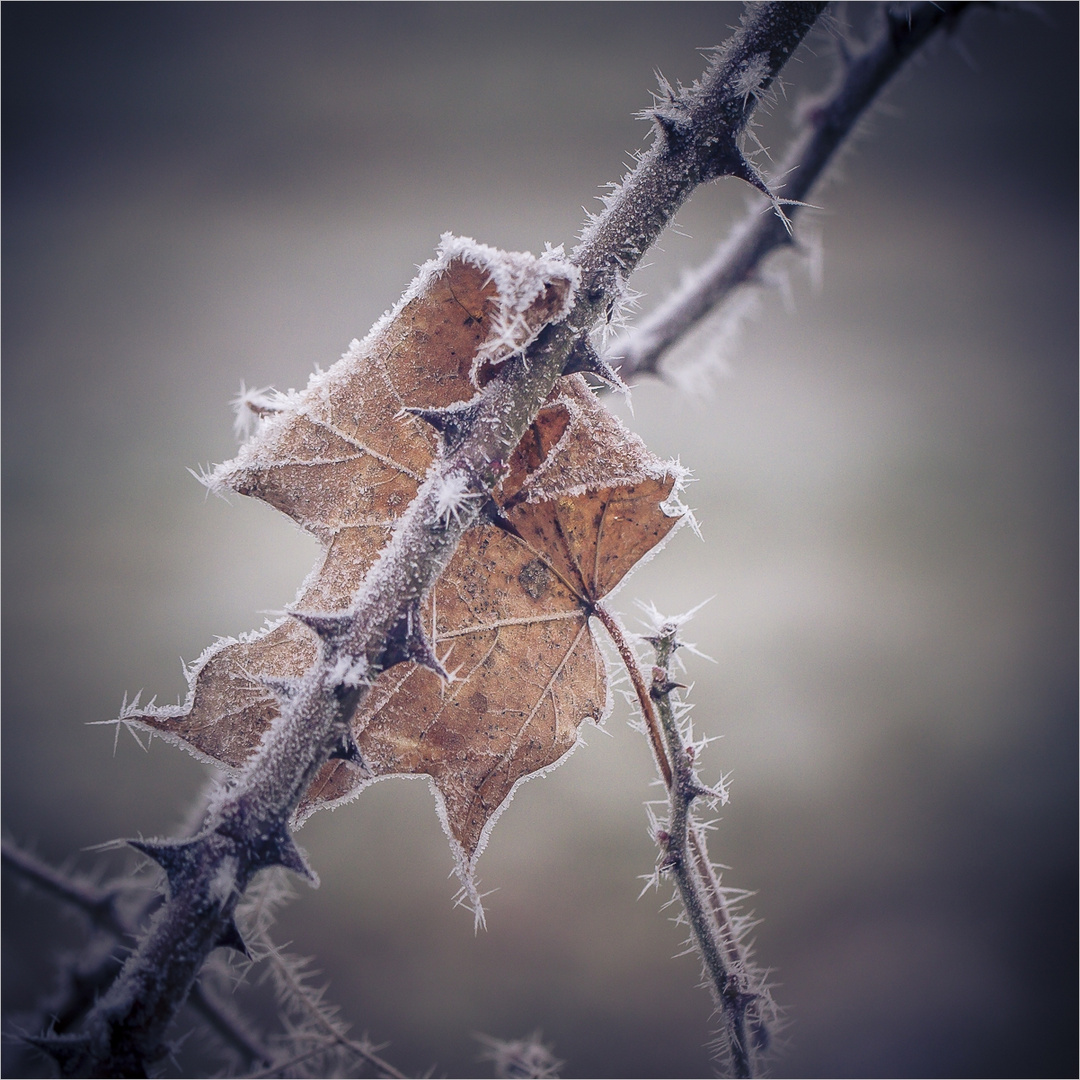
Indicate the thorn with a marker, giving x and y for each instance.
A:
(744, 170)
(698, 790)
(347, 750)
(174, 858)
(231, 938)
(671, 129)
(68, 1051)
(584, 358)
(491, 513)
(407, 641)
(662, 685)
(452, 422)
(328, 626)
(281, 850)
(665, 121)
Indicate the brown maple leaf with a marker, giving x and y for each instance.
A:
(580, 502)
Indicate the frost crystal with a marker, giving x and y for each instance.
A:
(527, 1057)
(752, 77)
(350, 671)
(452, 497)
(223, 883)
(252, 405)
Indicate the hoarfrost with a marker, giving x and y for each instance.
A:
(252, 405)
(350, 671)
(752, 77)
(223, 883)
(452, 497)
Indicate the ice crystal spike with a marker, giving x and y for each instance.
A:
(328, 626)
(407, 641)
(174, 858)
(231, 938)
(452, 422)
(584, 358)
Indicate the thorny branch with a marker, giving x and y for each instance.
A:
(742, 1000)
(119, 924)
(697, 131)
(828, 122)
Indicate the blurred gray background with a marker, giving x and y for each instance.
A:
(199, 194)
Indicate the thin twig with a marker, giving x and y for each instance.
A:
(97, 903)
(740, 1000)
(285, 975)
(231, 1031)
(652, 723)
(686, 857)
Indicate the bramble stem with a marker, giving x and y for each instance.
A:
(99, 904)
(685, 855)
(829, 122)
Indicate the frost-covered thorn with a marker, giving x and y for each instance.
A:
(231, 938)
(672, 125)
(328, 625)
(279, 849)
(719, 794)
(68, 1051)
(453, 422)
(347, 750)
(407, 641)
(661, 684)
(491, 513)
(176, 858)
(584, 358)
(744, 169)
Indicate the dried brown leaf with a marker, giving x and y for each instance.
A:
(581, 502)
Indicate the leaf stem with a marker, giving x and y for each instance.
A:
(629, 658)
